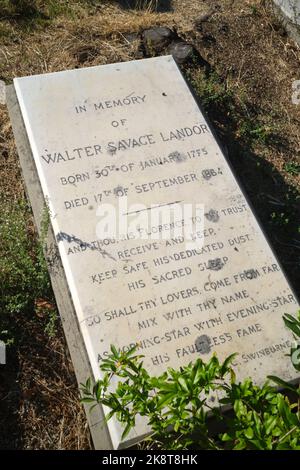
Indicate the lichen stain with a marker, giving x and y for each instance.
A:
(202, 344)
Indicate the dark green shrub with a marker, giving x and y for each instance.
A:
(23, 270)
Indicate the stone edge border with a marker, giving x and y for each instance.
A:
(96, 420)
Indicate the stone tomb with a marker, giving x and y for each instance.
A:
(191, 273)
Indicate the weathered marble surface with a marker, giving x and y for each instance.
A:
(291, 8)
(132, 137)
(288, 12)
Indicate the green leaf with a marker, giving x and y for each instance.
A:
(225, 401)
(238, 407)
(114, 350)
(257, 444)
(92, 407)
(126, 430)
(183, 384)
(176, 426)
(290, 317)
(240, 445)
(132, 351)
(227, 362)
(283, 446)
(87, 400)
(249, 433)
(133, 366)
(109, 415)
(98, 390)
(292, 324)
(289, 418)
(226, 437)
(283, 383)
(232, 376)
(198, 372)
(165, 399)
(270, 424)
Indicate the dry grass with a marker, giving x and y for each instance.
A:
(51, 393)
(55, 47)
(39, 397)
(40, 406)
(250, 50)
(97, 34)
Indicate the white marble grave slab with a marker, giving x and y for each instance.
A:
(129, 137)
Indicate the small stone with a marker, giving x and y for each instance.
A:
(181, 51)
(157, 39)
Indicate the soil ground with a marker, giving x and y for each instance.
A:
(246, 90)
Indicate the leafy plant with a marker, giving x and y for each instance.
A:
(179, 403)
(23, 271)
(292, 168)
(210, 88)
(293, 323)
